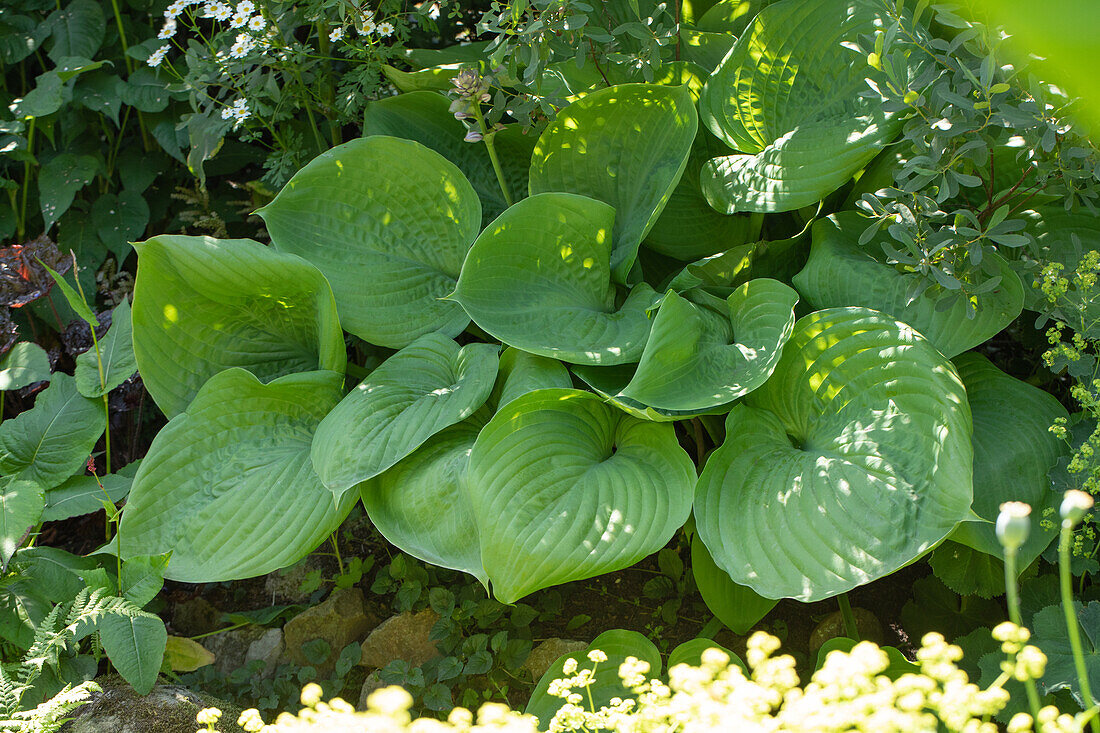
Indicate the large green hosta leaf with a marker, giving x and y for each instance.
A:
(609, 383)
(737, 606)
(850, 462)
(790, 98)
(627, 146)
(422, 504)
(388, 222)
(228, 487)
(539, 279)
(425, 118)
(202, 305)
(840, 272)
(698, 358)
(50, 442)
(1014, 451)
(428, 385)
(564, 487)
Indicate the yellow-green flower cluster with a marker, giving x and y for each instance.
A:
(851, 692)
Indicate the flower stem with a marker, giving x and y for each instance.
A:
(849, 617)
(1013, 597)
(487, 138)
(1064, 540)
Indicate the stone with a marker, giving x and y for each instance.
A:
(404, 636)
(867, 624)
(542, 656)
(370, 684)
(283, 585)
(166, 709)
(339, 621)
(268, 649)
(230, 647)
(194, 616)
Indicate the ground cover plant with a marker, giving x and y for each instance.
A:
(608, 282)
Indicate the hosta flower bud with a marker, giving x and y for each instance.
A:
(1013, 524)
(467, 83)
(1074, 505)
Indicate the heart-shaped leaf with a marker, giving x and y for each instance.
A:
(202, 305)
(565, 487)
(850, 462)
(50, 442)
(228, 486)
(791, 98)
(21, 504)
(617, 645)
(697, 358)
(840, 272)
(134, 642)
(1014, 451)
(425, 117)
(388, 222)
(609, 383)
(414, 394)
(115, 355)
(422, 504)
(539, 279)
(625, 145)
(25, 364)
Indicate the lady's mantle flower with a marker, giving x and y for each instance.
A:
(336, 35)
(157, 56)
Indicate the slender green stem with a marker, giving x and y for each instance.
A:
(1064, 541)
(220, 631)
(1013, 597)
(849, 617)
(21, 222)
(336, 551)
(487, 138)
(756, 226)
(321, 147)
(102, 379)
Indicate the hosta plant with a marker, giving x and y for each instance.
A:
(556, 317)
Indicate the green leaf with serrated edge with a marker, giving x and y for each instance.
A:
(51, 441)
(428, 385)
(898, 664)
(21, 504)
(853, 460)
(967, 571)
(143, 577)
(58, 181)
(81, 495)
(791, 98)
(1063, 237)
(72, 297)
(539, 279)
(202, 305)
(564, 487)
(421, 504)
(1014, 451)
(26, 363)
(689, 227)
(77, 30)
(116, 354)
(617, 644)
(1049, 633)
(228, 486)
(609, 382)
(390, 245)
(691, 652)
(840, 272)
(625, 145)
(697, 358)
(737, 606)
(426, 118)
(135, 643)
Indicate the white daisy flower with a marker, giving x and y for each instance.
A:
(368, 27)
(173, 11)
(257, 23)
(336, 35)
(246, 7)
(168, 30)
(238, 20)
(385, 29)
(241, 48)
(222, 12)
(157, 56)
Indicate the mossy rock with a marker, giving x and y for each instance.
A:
(167, 709)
